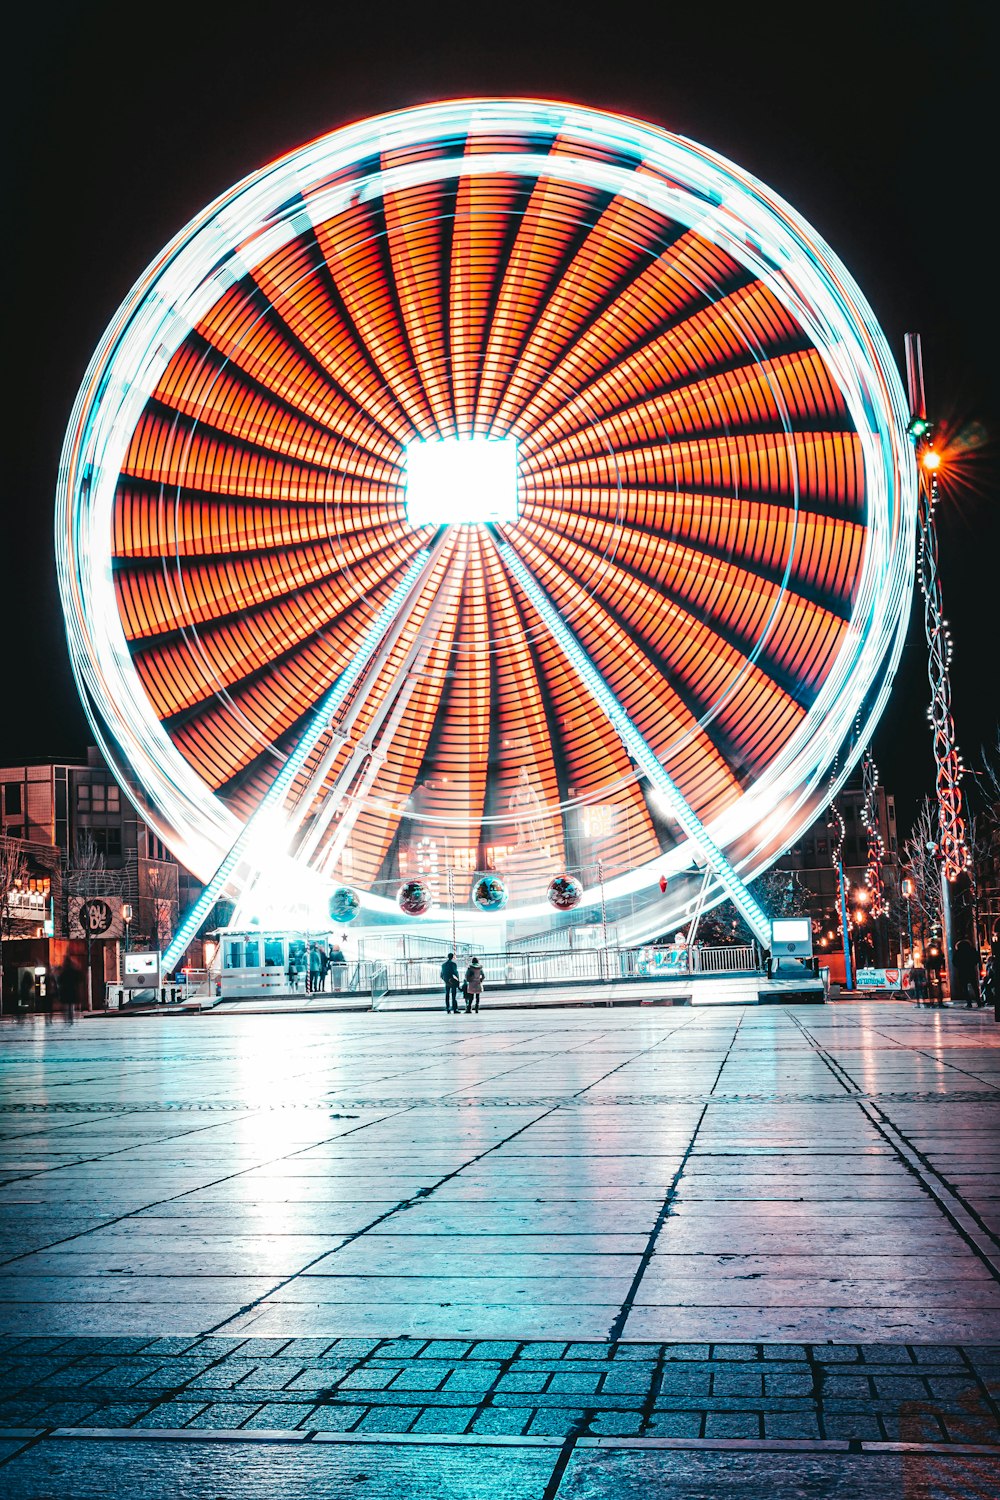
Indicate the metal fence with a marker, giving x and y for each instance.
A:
(572, 965)
(739, 959)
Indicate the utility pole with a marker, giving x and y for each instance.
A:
(953, 852)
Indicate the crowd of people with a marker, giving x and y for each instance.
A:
(312, 965)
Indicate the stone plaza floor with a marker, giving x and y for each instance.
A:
(578, 1253)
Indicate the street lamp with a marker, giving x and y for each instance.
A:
(952, 849)
(908, 889)
(127, 919)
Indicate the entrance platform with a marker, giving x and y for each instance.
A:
(688, 989)
(552, 1254)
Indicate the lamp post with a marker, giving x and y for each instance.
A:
(127, 919)
(908, 892)
(951, 845)
(845, 926)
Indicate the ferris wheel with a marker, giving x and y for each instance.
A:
(494, 489)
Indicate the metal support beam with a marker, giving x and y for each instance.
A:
(241, 851)
(639, 749)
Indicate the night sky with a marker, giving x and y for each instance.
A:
(876, 122)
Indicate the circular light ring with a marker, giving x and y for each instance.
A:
(716, 487)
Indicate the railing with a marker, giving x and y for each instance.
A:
(741, 958)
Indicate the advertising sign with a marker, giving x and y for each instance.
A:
(880, 979)
(95, 917)
(653, 961)
(141, 970)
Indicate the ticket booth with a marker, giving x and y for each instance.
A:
(791, 947)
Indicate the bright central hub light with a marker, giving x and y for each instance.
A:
(461, 481)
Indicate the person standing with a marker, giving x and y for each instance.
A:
(315, 970)
(967, 973)
(338, 967)
(473, 986)
(449, 977)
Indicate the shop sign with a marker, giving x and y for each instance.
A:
(95, 917)
(880, 979)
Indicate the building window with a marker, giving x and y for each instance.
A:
(12, 798)
(83, 796)
(114, 799)
(108, 841)
(97, 798)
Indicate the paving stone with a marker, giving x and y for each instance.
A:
(886, 1354)
(472, 1377)
(737, 1383)
(783, 1383)
(171, 1414)
(582, 1385)
(556, 1423)
(692, 1380)
(647, 1352)
(416, 1378)
(280, 1415)
(445, 1349)
(679, 1424)
(215, 1348)
(369, 1378)
(542, 1351)
(844, 1426)
(829, 1354)
(616, 1424)
(631, 1378)
(686, 1351)
(454, 1419)
(349, 1348)
(588, 1351)
(781, 1424)
(498, 1349)
(785, 1351)
(735, 1351)
(846, 1386)
(396, 1349)
(523, 1380)
(334, 1418)
(272, 1348)
(494, 1423)
(223, 1414)
(389, 1419)
(730, 1424)
(65, 1413)
(890, 1388)
(306, 1350)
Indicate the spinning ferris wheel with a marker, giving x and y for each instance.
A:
(497, 488)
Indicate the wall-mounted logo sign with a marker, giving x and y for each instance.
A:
(95, 917)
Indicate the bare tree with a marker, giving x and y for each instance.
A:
(13, 869)
(920, 851)
(87, 875)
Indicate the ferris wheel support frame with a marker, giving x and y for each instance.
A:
(242, 850)
(639, 748)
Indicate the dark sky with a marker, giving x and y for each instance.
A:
(876, 121)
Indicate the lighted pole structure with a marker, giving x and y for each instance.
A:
(908, 892)
(835, 824)
(952, 851)
(876, 852)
